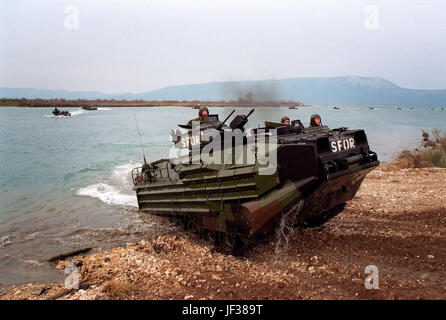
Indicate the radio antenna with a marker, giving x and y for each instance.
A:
(139, 135)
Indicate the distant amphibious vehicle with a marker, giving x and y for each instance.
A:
(59, 113)
(89, 108)
(309, 172)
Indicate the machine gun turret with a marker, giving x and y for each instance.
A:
(239, 121)
(223, 123)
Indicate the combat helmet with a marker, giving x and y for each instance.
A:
(313, 120)
(203, 112)
(285, 120)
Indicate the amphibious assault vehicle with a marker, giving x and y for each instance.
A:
(58, 113)
(89, 108)
(316, 171)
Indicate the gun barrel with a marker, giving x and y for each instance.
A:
(250, 112)
(227, 117)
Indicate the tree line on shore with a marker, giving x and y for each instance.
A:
(64, 103)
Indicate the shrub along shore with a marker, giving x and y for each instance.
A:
(431, 154)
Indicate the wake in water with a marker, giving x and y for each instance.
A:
(52, 116)
(116, 190)
(285, 230)
(77, 112)
(108, 194)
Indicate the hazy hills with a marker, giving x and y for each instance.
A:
(351, 90)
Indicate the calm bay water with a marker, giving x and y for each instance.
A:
(65, 182)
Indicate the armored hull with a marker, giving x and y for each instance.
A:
(318, 168)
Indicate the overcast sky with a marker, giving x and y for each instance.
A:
(136, 46)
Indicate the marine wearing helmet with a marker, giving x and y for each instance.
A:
(315, 121)
(203, 116)
(285, 120)
(203, 113)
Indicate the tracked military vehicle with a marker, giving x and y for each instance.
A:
(229, 203)
(57, 113)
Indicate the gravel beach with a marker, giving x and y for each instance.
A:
(396, 222)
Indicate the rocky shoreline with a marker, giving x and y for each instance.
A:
(397, 222)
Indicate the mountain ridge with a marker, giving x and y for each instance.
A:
(340, 90)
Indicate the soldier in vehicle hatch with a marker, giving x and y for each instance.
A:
(285, 120)
(203, 116)
(315, 121)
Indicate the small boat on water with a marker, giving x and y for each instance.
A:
(372, 108)
(58, 113)
(89, 108)
(336, 108)
(293, 107)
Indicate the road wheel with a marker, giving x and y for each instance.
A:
(229, 242)
(210, 236)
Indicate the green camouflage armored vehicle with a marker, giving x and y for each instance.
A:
(310, 170)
